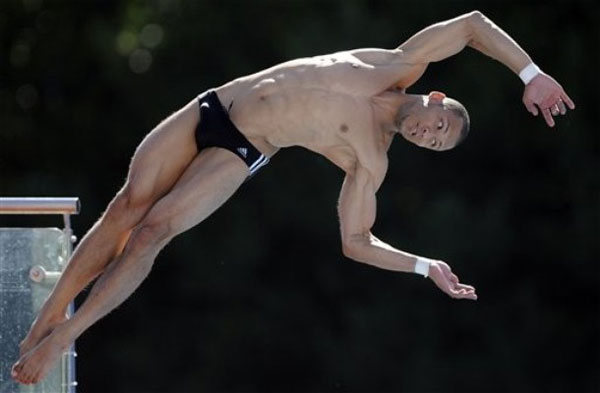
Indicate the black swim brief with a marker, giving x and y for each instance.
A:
(216, 129)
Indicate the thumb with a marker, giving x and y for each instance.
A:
(531, 107)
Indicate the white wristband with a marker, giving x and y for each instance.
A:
(422, 266)
(529, 72)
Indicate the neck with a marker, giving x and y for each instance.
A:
(385, 108)
(387, 104)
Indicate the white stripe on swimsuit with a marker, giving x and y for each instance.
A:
(260, 162)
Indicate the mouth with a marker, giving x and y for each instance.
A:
(415, 131)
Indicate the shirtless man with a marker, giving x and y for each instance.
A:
(346, 106)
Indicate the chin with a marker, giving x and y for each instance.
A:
(402, 129)
(407, 138)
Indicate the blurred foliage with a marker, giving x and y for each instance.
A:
(259, 297)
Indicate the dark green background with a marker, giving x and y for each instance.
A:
(259, 297)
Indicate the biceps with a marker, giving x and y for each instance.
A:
(439, 41)
(357, 208)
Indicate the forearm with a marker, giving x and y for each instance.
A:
(491, 40)
(372, 251)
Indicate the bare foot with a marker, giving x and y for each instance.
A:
(38, 331)
(33, 366)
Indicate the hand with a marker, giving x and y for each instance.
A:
(548, 95)
(441, 274)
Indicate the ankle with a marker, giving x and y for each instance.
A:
(62, 335)
(57, 319)
(49, 321)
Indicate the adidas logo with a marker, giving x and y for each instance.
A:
(243, 151)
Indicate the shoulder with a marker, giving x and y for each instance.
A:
(371, 168)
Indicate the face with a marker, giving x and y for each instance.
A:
(430, 124)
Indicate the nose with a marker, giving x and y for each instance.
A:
(420, 130)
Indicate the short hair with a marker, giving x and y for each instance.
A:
(459, 110)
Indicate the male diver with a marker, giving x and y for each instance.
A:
(346, 106)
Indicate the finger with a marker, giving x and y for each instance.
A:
(561, 106)
(548, 117)
(463, 294)
(456, 293)
(567, 99)
(448, 288)
(454, 278)
(470, 296)
(466, 287)
(555, 110)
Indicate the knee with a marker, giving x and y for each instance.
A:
(129, 200)
(150, 234)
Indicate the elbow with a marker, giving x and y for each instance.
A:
(356, 246)
(474, 18)
(353, 250)
(476, 15)
(348, 250)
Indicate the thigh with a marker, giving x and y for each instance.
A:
(163, 155)
(209, 181)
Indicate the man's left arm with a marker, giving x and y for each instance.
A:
(357, 211)
(474, 29)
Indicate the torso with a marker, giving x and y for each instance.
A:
(313, 103)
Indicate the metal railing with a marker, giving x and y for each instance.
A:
(42, 206)
(39, 205)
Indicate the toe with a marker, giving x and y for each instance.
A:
(16, 369)
(38, 374)
(26, 374)
(29, 379)
(23, 376)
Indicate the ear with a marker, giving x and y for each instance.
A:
(436, 97)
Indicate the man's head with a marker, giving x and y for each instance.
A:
(434, 122)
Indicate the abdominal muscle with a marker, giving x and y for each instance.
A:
(295, 104)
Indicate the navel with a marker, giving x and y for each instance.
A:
(344, 128)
